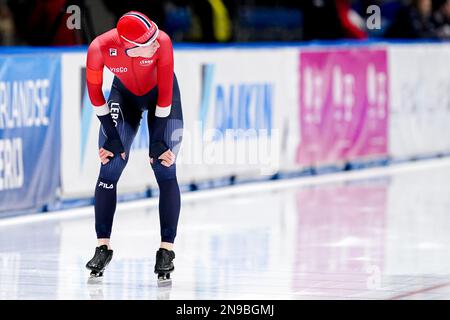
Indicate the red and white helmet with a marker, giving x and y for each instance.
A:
(136, 29)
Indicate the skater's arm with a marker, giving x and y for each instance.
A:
(165, 76)
(94, 80)
(159, 149)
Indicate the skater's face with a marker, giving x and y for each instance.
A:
(144, 52)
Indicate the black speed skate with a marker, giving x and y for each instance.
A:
(101, 259)
(164, 265)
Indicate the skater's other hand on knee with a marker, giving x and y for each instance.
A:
(105, 154)
(167, 158)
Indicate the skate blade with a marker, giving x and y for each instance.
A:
(96, 274)
(164, 280)
(94, 280)
(165, 283)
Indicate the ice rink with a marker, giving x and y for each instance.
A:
(380, 233)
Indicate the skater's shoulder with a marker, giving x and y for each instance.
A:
(108, 38)
(163, 37)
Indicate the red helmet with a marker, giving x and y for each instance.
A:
(136, 29)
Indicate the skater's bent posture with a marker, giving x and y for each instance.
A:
(141, 58)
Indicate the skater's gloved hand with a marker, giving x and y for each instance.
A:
(159, 150)
(110, 148)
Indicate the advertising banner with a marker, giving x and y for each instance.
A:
(30, 104)
(343, 105)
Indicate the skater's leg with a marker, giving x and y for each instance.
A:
(169, 202)
(106, 190)
(128, 119)
(169, 131)
(169, 192)
(169, 211)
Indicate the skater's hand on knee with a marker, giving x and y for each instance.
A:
(167, 158)
(105, 154)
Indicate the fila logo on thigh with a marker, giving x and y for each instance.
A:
(106, 185)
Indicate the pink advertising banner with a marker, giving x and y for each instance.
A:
(343, 105)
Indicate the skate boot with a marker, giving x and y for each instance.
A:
(164, 265)
(100, 260)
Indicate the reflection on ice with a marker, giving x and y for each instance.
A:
(385, 237)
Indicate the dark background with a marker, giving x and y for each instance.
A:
(43, 22)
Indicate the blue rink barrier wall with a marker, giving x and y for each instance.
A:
(279, 90)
